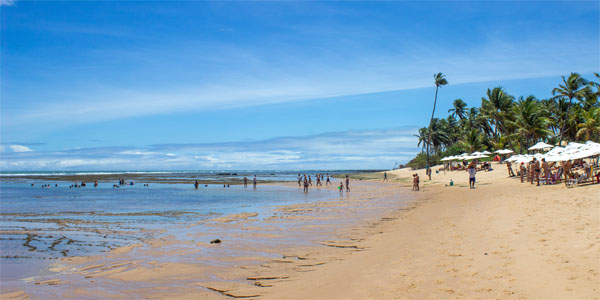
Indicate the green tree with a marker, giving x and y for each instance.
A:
(530, 121)
(459, 109)
(590, 127)
(572, 87)
(496, 108)
(440, 80)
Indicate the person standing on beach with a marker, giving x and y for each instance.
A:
(428, 172)
(305, 185)
(509, 167)
(532, 170)
(567, 171)
(537, 170)
(472, 172)
(328, 182)
(385, 176)
(546, 168)
(417, 182)
(318, 180)
(245, 181)
(522, 171)
(414, 187)
(341, 188)
(299, 180)
(347, 183)
(254, 182)
(309, 180)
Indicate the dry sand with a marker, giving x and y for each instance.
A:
(502, 240)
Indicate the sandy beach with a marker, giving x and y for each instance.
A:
(502, 240)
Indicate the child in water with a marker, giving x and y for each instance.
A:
(341, 187)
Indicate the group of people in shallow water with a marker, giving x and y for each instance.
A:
(197, 184)
(306, 182)
(536, 171)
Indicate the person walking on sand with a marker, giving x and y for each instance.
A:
(254, 182)
(472, 172)
(328, 182)
(385, 176)
(245, 181)
(347, 183)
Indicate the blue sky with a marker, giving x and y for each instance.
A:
(110, 85)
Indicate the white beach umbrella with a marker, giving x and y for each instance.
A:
(504, 151)
(447, 158)
(486, 152)
(476, 153)
(540, 146)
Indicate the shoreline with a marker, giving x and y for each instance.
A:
(320, 224)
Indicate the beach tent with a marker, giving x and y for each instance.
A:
(540, 146)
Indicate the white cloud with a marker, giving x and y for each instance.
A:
(20, 148)
(368, 149)
(7, 2)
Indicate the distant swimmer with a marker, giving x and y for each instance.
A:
(245, 181)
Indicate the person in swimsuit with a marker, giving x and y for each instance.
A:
(537, 170)
(299, 180)
(309, 180)
(347, 183)
(318, 180)
(305, 185)
(472, 172)
(385, 176)
(546, 168)
(328, 182)
(245, 181)
(341, 188)
(196, 184)
(254, 182)
(522, 171)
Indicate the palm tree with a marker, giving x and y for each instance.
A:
(459, 108)
(496, 108)
(422, 138)
(572, 87)
(530, 121)
(591, 124)
(471, 141)
(440, 80)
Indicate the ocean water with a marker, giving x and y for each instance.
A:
(41, 225)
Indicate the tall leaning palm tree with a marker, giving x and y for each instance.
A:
(440, 80)
(572, 87)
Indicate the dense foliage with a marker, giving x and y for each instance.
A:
(503, 121)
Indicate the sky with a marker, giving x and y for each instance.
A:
(276, 85)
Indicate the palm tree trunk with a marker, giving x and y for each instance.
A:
(430, 123)
(562, 130)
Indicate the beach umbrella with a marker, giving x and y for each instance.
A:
(447, 158)
(486, 152)
(476, 153)
(540, 146)
(504, 151)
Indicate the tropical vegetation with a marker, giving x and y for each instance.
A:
(504, 121)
